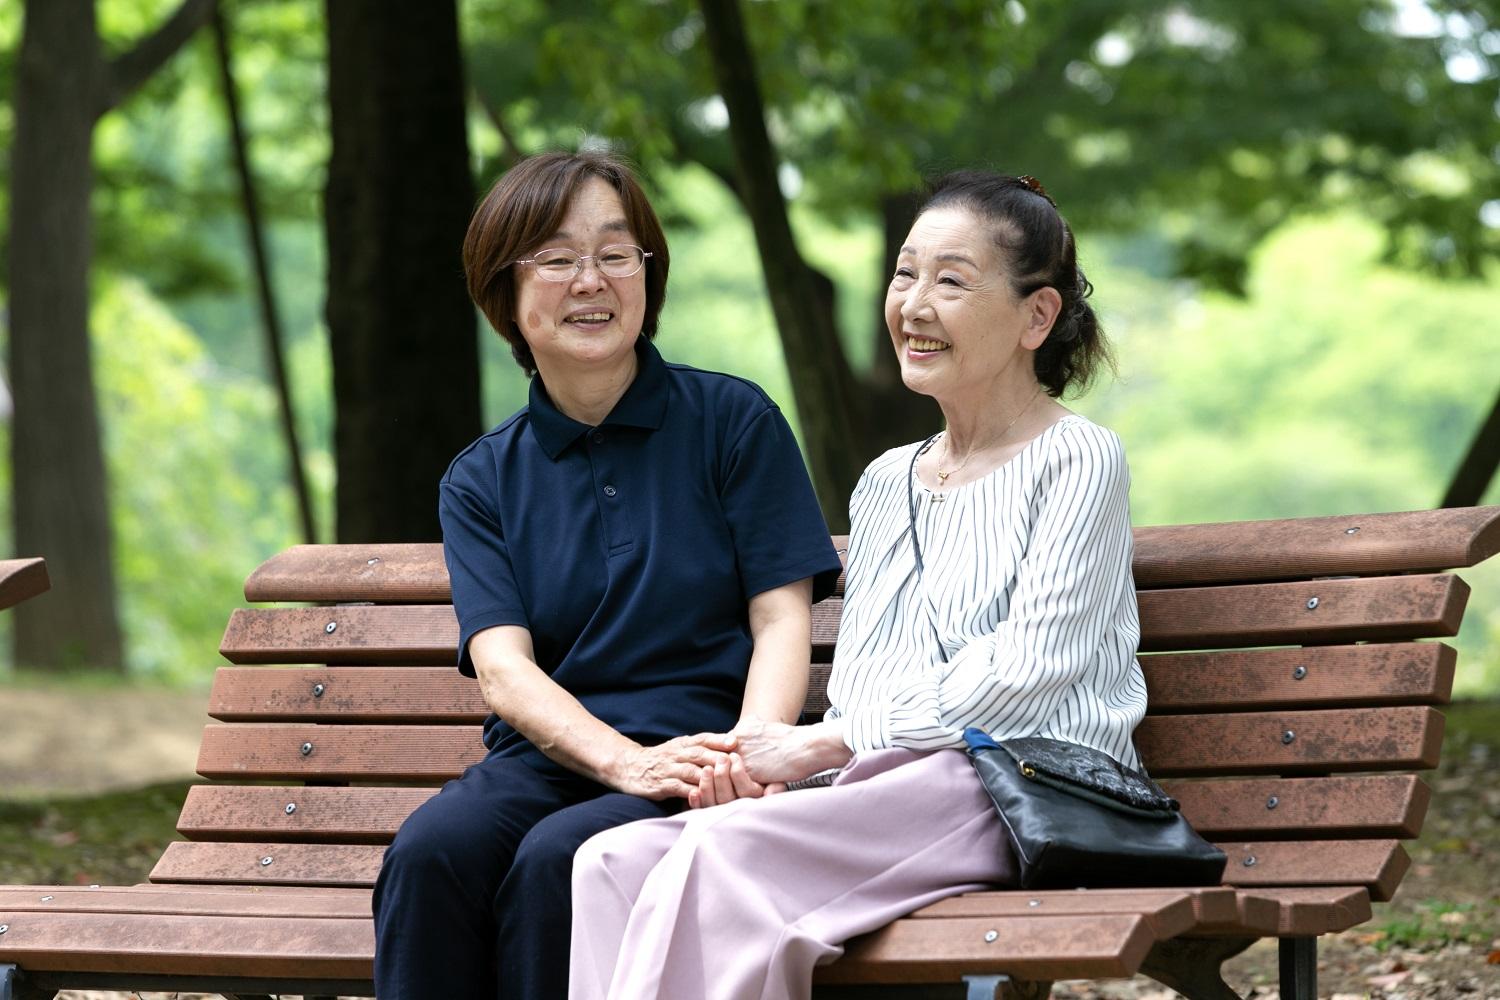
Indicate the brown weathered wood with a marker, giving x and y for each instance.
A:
(1311, 612)
(1380, 805)
(345, 694)
(1362, 806)
(177, 944)
(1349, 739)
(361, 815)
(1168, 911)
(338, 753)
(1413, 541)
(1407, 673)
(176, 899)
(1027, 947)
(1313, 910)
(1377, 865)
(415, 635)
(1171, 746)
(1165, 556)
(1192, 618)
(335, 865)
(21, 579)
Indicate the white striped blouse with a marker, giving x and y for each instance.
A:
(1026, 582)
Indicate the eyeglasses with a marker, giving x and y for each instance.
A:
(618, 261)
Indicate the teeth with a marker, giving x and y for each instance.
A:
(924, 344)
(600, 317)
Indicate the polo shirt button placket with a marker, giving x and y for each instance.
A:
(597, 437)
(610, 491)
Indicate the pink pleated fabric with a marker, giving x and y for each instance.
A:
(740, 902)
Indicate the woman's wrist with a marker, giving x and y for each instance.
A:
(826, 741)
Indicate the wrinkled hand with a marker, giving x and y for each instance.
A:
(777, 752)
(727, 780)
(668, 770)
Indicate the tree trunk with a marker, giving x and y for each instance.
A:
(265, 291)
(1478, 466)
(802, 305)
(61, 509)
(405, 353)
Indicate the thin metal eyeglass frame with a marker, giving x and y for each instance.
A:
(581, 257)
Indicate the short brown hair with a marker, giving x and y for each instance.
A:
(525, 207)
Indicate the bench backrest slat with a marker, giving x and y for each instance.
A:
(1401, 607)
(1165, 556)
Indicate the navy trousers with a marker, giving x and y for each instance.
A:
(474, 898)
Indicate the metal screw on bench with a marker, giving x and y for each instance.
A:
(306, 749)
(291, 807)
(330, 627)
(318, 690)
(1299, 673)
(376, 559)
(1249, 862)
(1272, 802)
(4, 928)
(991, 936)
(265, 861)
(1033, 902)
(1312, 602)
(1351, 531)
(47, 899)
(1288, 736)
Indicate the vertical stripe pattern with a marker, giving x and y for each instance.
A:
(1027, 585)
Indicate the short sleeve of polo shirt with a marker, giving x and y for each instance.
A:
(479, 568)
(779, 532)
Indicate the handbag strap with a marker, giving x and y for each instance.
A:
(916, 545)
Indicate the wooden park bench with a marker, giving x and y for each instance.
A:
(1279, 658)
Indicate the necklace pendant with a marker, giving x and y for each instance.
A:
(943, 476)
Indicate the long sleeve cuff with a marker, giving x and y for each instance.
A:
(864, 728)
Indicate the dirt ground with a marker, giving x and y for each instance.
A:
(1439, 939)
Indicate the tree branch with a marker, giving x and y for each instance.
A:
(130, 69)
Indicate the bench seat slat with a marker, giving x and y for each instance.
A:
(200, 900)
(1412, 607)
(21, 579)
(1028, 947)
(192, 944)
(1171, 745)
(1346, 806)
(1165, 556)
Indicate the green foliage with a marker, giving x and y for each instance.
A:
(197, 479)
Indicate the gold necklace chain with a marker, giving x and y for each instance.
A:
(943, 476)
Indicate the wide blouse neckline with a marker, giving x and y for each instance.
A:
(950, 491)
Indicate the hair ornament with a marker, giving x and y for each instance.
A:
(1033, 185)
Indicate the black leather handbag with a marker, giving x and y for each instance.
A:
(1077, 817)
(1074, 815)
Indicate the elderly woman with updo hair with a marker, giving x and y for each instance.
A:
(632, 556)
(989, 585)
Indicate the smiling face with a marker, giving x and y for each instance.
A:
(958, 327)
(590, 321)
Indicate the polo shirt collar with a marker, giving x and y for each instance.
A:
(643, 405)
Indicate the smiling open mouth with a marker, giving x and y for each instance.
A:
(591, 317)
(925, 344)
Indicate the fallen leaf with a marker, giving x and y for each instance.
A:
(1389, 980)
(1494, 958)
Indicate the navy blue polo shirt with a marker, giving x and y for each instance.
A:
(630, 550)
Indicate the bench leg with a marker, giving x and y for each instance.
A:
(1191, 966)
(13, 985)
(1299, 968)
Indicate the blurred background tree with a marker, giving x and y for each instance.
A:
(1291, 212)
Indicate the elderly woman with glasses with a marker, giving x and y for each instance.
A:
(633, 555)
(989, 585)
